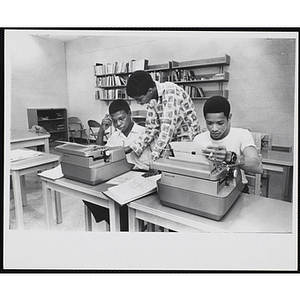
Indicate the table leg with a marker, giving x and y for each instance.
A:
(87, 218)
(58, 210)
(114, 216)
(133, 223)
(46, 145)
(47, 205)
(288, 183)
(23, 190)
(18, 199)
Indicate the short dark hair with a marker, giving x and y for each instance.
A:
(118, 105)
(216, 104)
(139, 83)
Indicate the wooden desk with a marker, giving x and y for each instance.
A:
(19, 169)
(280, 162)
(24, 139)
(89, 193)
(249, 213)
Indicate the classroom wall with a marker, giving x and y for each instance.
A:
(262, 73)
(38, 75)
(48, 73)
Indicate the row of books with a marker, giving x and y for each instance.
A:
(111, 80)
(193, 91)
(160, 76)
(110, 94)
(189, 75)
(183, 75)
(120, 67)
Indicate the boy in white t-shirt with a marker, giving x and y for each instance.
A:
(223, 143)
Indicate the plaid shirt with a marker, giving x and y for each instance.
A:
(170, 118)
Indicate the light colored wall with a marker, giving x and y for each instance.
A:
(261, 85)
(38, 75)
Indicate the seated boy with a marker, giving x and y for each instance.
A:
(126, 133)
(223, 143)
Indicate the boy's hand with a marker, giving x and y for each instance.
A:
(217, 153)
(151, 172)
(106, 122)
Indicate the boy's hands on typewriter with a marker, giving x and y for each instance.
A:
(216, 153)
(151, 172)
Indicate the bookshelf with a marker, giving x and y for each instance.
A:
(201, 78)
(54, 120)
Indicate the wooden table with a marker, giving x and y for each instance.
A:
(18, 170)
(25, 139)
(89, 193)
(249, 213)
(280, 162)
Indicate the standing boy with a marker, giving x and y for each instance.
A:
(170, 113)
(223, 143)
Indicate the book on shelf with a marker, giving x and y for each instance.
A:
(135, 65)
(133, 189)
(160, 76)
(99, 69)
(201, 92)
(194, 91)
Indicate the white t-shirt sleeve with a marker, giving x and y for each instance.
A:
(246, 139)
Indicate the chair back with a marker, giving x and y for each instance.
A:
(93, 128)
(76, 129)
(93, 123)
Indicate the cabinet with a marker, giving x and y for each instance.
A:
(54, 120)
(201, 78)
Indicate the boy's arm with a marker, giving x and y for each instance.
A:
(100, 137)
(151, 129)
(106, 123)
(252, 162)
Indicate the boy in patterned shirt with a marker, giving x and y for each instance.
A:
(170, 113)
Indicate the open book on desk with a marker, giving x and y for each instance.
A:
(53, 174)
(133, 189)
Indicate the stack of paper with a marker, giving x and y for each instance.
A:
(133, 189)
(19, 154)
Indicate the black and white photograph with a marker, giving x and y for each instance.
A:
(151, 149)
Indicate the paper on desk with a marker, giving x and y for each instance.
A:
(53, 174)
(19, 154)
(125, 177)
(133, 189)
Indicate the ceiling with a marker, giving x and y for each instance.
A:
(60, 37)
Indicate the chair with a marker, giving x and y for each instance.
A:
(139, 117)
(93, 128)
(76, 129)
